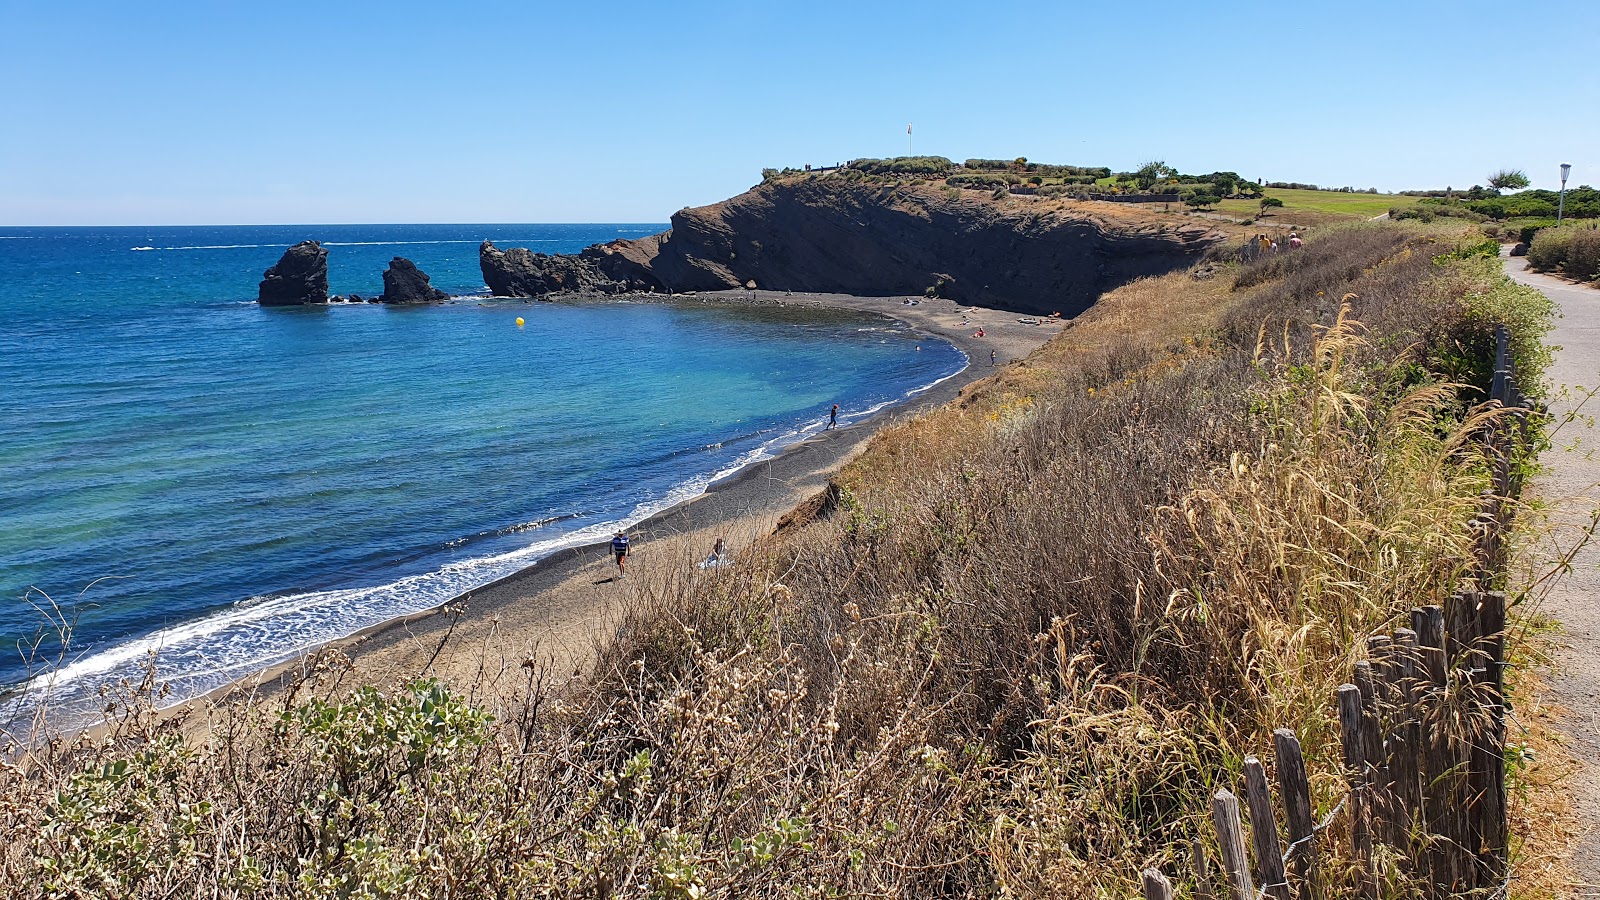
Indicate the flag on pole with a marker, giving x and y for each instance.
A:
(908, 128)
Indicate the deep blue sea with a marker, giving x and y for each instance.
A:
(187, 474)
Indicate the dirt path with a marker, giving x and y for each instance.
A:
(1571, 483)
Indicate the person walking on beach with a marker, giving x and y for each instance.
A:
(619, 550)
(992, 361)
(833, 416)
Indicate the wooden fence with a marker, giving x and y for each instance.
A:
(1422, 728)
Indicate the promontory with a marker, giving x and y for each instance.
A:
(841, 233)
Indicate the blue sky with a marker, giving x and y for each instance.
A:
(203, 113)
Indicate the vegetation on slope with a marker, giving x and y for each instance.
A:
(1012, 653)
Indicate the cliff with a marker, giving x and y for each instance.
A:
(840, 235)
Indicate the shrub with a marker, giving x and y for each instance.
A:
(1573, 251)
(903, 165)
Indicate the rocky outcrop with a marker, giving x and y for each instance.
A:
(519, 272)
(840, 236)
(403, 282)
(299, 278)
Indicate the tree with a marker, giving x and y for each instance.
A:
(1152, 172)
(1509, 180)
(1202, 200)
(1270, 203)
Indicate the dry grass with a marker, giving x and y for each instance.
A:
(1012, 657)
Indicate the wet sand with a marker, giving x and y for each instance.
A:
(555, 611)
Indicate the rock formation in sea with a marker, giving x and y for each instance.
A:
(519, 272)
(842, 236)
(299, 278)
(403, 282)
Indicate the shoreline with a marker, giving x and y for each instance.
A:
(551, 611)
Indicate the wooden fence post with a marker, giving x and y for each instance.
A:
(1202, 871)
(1405, 761)
(1297, 813)
(1374, 769)
(1156, 885)
(1230, 834)
(1264, 830)
(1489, 744)
(1349, 701)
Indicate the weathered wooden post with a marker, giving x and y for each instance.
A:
(1264, 830)
(1405, 760)
(1230, 835)
(1202, 871)
(1349, 702)
(1441, 772)
(1296, 793)
(1373, 773)
(1489, 745)
(1156, 885)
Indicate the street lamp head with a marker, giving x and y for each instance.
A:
(1565, 168)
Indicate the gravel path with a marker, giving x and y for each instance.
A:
(1571, 483)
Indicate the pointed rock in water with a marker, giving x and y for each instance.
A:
(403, 282)
(299, 278)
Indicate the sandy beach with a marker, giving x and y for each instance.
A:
(555, 610)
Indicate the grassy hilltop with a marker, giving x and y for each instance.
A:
(1010, 652)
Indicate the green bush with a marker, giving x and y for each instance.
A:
(902, 165)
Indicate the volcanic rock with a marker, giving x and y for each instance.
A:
(519, 272)
(299, 278)
(403, 282)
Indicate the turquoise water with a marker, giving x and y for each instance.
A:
(185, 473)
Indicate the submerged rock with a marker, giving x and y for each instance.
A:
(299, 278)
(403, 282)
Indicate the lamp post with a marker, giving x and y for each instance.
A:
(1561, 199)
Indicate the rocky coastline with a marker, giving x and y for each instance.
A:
(838, 236)
(825, 236)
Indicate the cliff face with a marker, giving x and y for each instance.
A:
(834, 235)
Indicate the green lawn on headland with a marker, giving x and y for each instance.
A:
(1336, 202)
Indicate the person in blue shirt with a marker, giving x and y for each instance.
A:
(619, 549)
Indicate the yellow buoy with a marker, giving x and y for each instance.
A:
(520, 323)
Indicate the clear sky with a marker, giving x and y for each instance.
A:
(263, 112)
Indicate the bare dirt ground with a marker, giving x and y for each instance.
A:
(1570, 484)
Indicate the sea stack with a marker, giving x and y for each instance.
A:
(299, 278)
(403, 282)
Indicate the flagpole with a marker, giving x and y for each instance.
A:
(908, 140)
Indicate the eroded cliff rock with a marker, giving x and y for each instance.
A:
(299, 278)
(403, 282)
(841, 236)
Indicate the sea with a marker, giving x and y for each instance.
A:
(192, 482)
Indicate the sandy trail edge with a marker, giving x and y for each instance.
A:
(555, 611)
(1570, 483)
